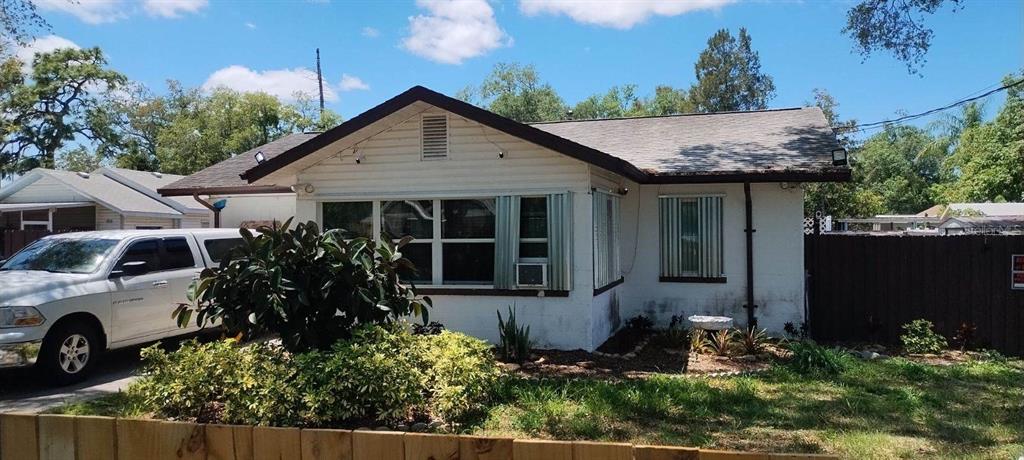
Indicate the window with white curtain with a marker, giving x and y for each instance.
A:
(691, 237)
(606, 239)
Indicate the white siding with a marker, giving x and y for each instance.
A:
(197, 221)
(778, 257)
(107, 219)
(132, 222)
(262, 207)
(391, 166)
(46, 190)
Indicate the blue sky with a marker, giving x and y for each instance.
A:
(581, 48)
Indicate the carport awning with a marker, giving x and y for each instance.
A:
(12, 207)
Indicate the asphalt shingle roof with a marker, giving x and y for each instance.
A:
(797, 139)
(226, 173)
(111, 193)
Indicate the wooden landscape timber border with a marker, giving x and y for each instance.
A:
(46, 437)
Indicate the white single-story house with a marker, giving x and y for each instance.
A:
(578, 224)
(105, 199)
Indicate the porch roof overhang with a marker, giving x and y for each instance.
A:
(13, 207)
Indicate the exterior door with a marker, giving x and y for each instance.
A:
(139, 303)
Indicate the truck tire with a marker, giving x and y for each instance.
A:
(69, 353)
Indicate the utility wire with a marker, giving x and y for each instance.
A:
(876, 124)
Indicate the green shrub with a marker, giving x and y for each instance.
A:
(460, 373)
(375, 374)
(514, 341)
(699, 341)
(919, 337)
(382, 373)
(309, 288)
(722, 342)
(813, 359)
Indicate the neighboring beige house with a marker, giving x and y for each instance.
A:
(579, 225)
(105, 199)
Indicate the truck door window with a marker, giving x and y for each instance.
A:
(177, 255)
(218, 249)
(142, 251)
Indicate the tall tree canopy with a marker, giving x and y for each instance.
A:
(729, 76)
(896, 26)
(515, 91)
(19, 22)
(987, 161)
(57, 103)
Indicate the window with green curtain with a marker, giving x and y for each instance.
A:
(606, 239)
(691, 236)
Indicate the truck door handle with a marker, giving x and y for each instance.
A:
(160, 284)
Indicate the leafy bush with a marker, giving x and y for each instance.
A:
(751, 339)
(919, 337)
(639, 323)
(460, 373)
(381, 373)
(811, 358)
(308, 287)
(793, 332)
(431, 328)
(514, 340)
(964, 338)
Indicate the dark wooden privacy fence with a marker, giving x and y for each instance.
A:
(865, 287)
(13, 240)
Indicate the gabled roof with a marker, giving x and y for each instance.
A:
(762, 146)
(796, 141)
(986, 209)
(125, 191)
(224, 177)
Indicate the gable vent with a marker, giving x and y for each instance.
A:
(434, 135)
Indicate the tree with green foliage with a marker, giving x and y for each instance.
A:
(729, 76)
(896, 26)
(19, 22)
(515, 91)
(618, 102)
(79, 159)
(669, 101)
(987, 160)
(53, 106)
(899, 166)
(839, 199)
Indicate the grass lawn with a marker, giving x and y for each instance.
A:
(891, 408)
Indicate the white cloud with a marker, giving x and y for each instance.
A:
(89, 11)
(104, 11)
(370, 32)
(618, 14)
(42, 45)
(454, 30)
(250, 26)
(351, 83)
(282, 83)
(172, 8)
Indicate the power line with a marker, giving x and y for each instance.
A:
(877, 124)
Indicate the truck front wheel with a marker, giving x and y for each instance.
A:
(69, 353)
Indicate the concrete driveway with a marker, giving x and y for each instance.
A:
(21, 390)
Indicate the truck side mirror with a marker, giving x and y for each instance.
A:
(134, 268)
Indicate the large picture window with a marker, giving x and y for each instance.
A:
(467, 241)
(413, 218)
(455, 241)
(691, 237)
(354, 218)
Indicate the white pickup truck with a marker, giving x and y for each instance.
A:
(66, 298)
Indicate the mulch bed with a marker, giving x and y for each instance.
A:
(652, 359)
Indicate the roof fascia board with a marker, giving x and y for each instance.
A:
(24, 181)
(239, 190)
(123, 180)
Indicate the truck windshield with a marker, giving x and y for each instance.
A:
(61, 255)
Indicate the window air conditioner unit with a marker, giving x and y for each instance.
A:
(531, 274)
